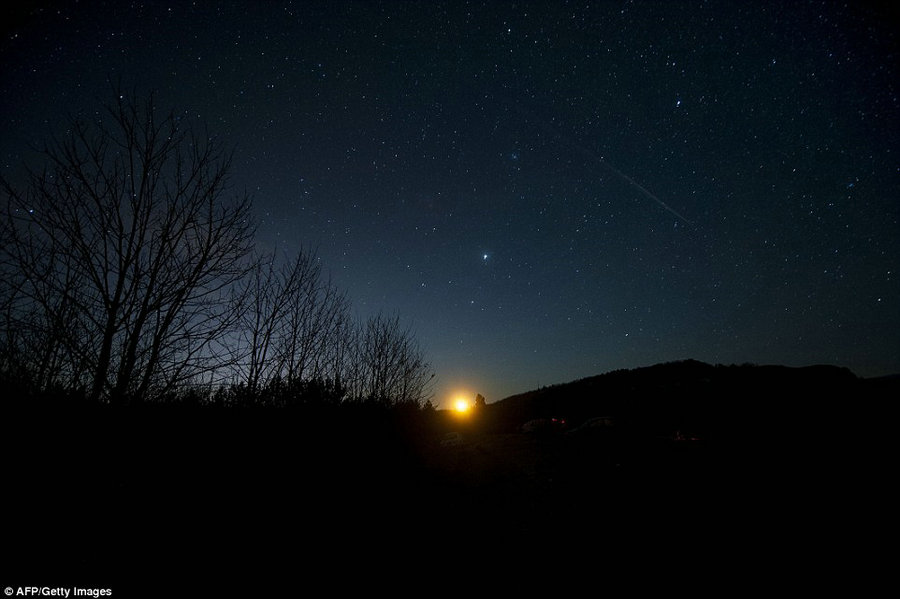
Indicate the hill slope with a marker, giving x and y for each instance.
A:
(687, 394)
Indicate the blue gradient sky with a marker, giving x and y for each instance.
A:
(542, 190)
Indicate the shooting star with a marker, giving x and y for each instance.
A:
(598, 159)
(640, 187)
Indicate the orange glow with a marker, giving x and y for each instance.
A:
(461, 406)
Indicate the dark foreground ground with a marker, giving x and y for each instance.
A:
(142, 499)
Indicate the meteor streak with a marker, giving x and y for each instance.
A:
(598, 159)
(640, 187)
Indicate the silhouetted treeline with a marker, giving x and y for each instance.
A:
(692, 395)
(131, 274)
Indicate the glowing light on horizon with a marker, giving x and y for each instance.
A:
(461, 406)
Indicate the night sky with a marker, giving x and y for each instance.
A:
(543, 191)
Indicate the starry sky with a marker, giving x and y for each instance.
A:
(543, 191)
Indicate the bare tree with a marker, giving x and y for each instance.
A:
(123, 252)
(261, 321)
(391, 368)
(291, 324)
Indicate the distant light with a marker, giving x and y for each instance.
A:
(461, 406)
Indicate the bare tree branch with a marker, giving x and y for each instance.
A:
(126, 238)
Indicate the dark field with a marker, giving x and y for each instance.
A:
(363, 497)
(122, 493)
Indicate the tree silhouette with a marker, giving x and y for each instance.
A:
(122, 252)
(130, 275)
(387, 365)
(291, 324)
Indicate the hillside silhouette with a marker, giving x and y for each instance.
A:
(687, 395)
(627, 456)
